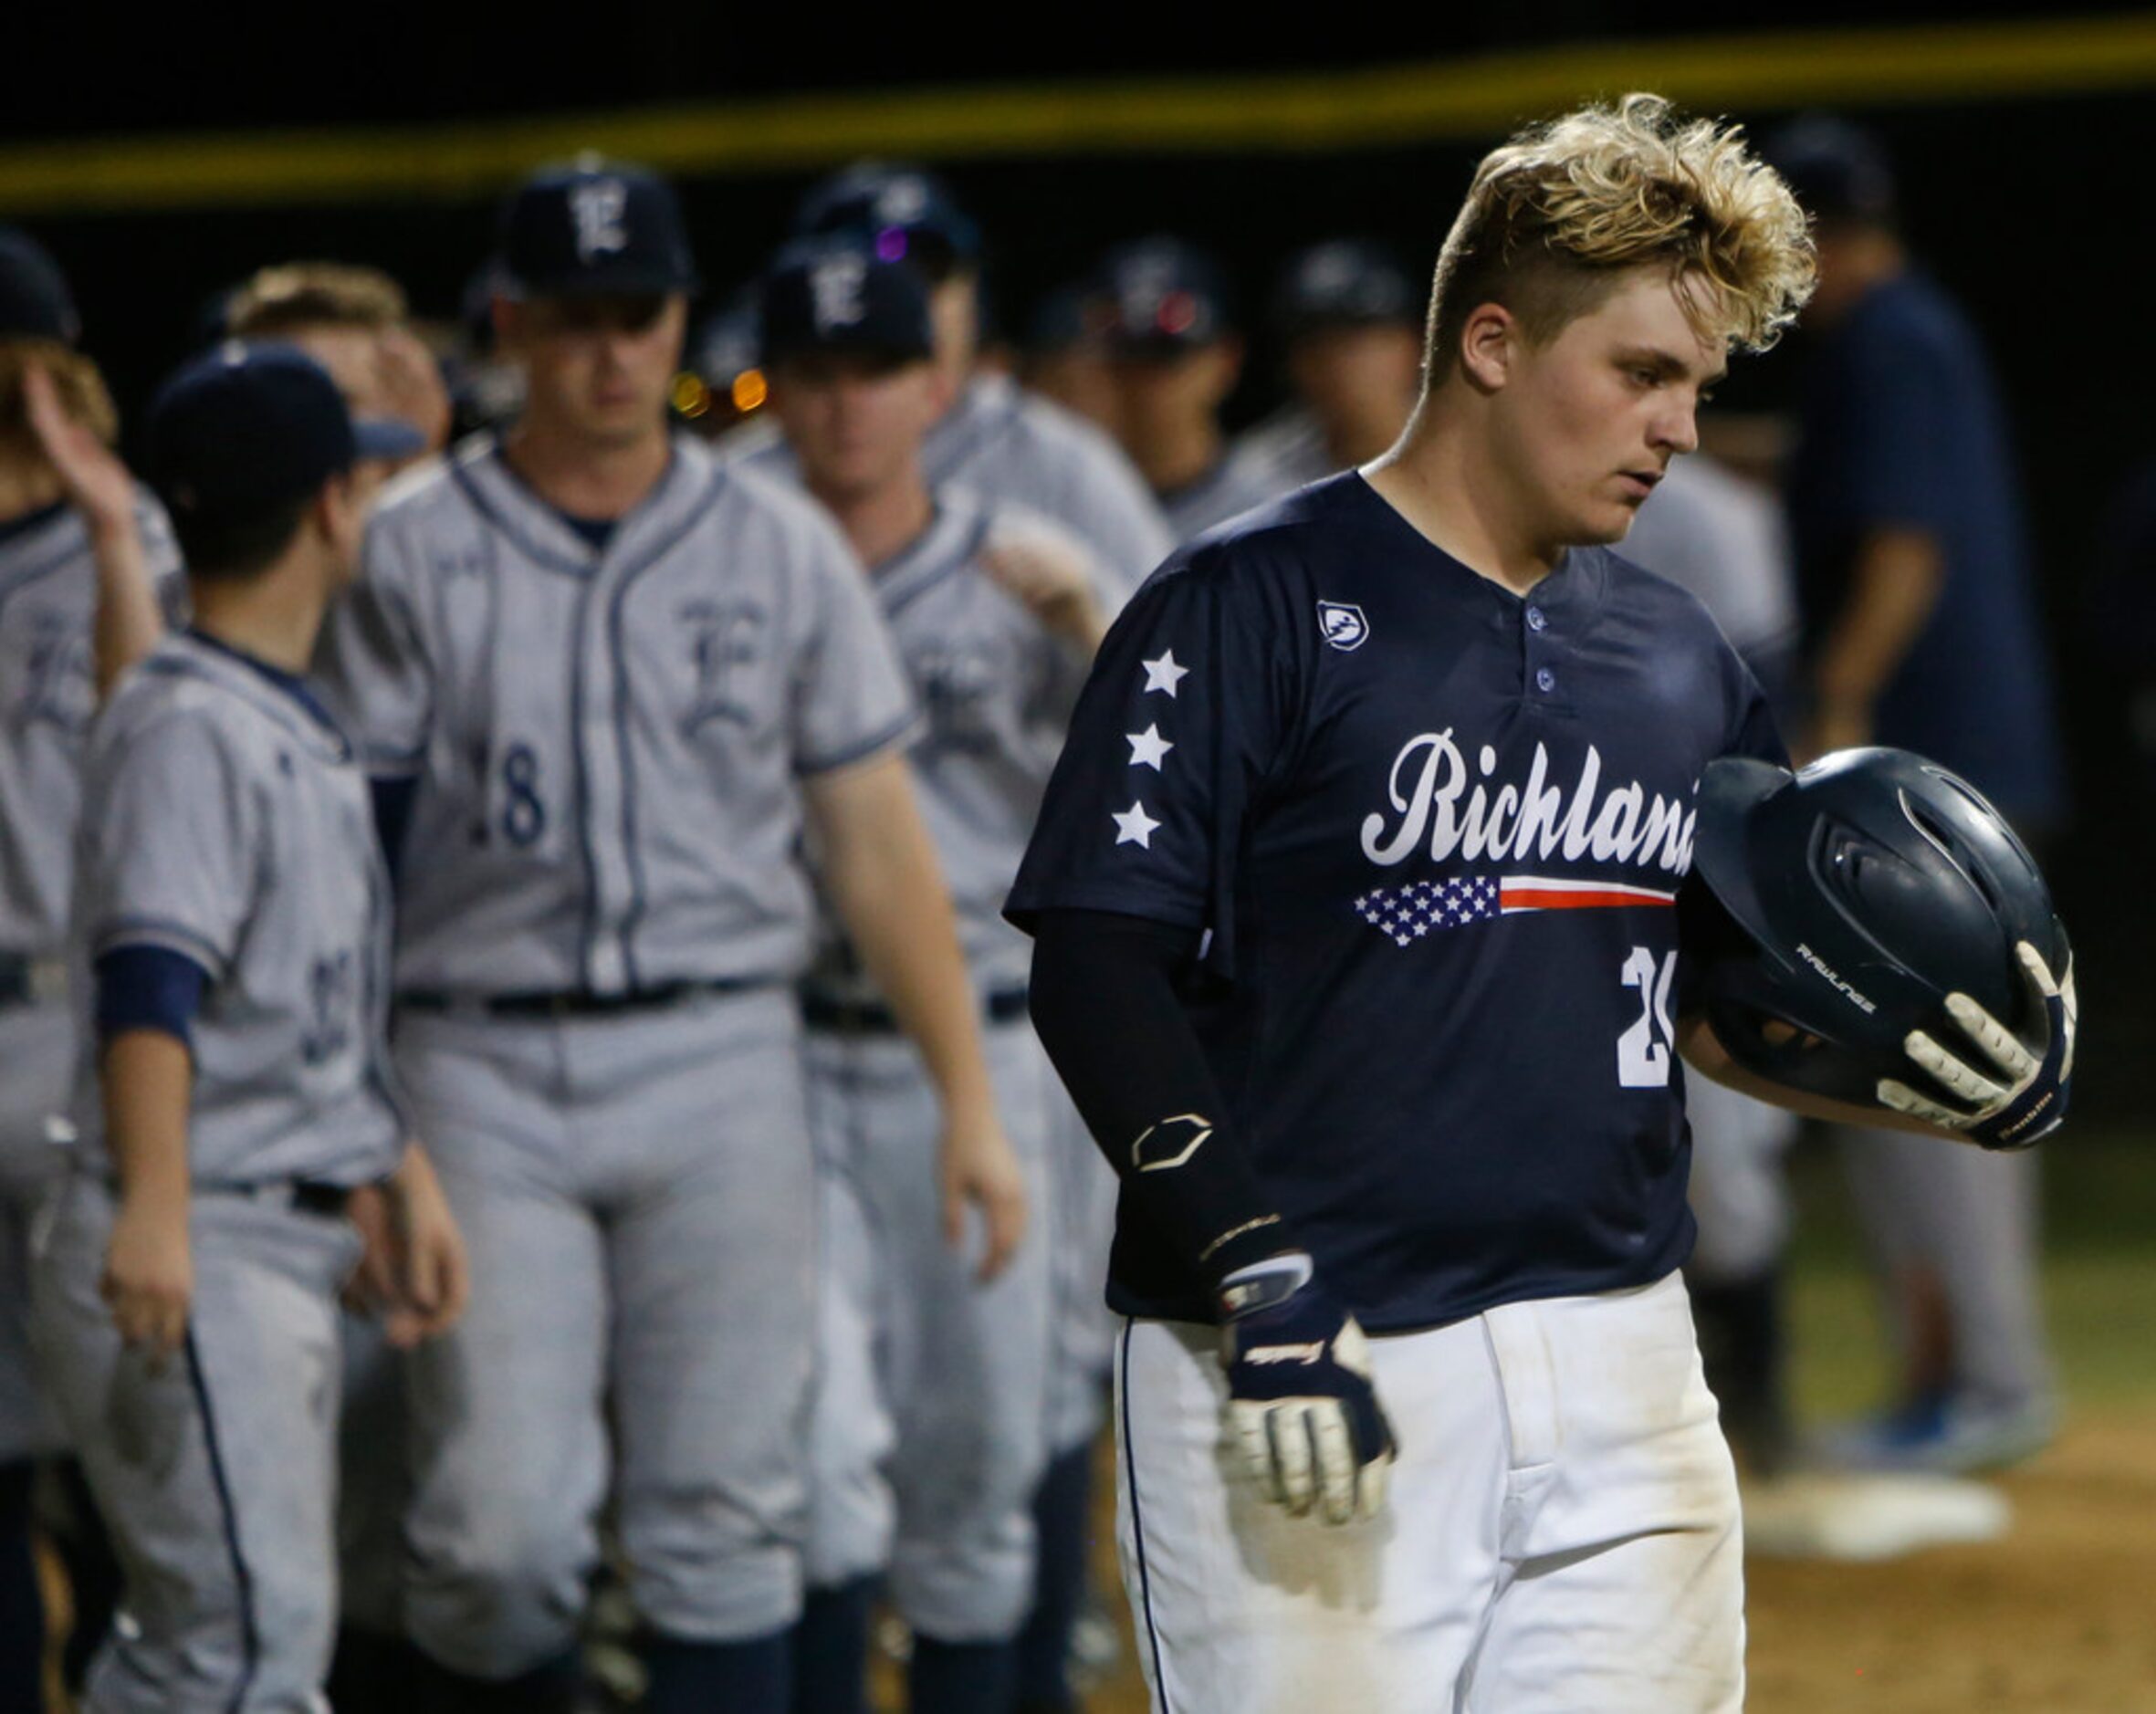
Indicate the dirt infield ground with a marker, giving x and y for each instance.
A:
(2059, 1618)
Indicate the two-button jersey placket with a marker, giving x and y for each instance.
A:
(1538, 649)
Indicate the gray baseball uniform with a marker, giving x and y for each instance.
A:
(599, 915)
(47, 605)
(225, 821)
(932, 1403)
(1012, 446)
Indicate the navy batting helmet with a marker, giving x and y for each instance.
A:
(1872, 886)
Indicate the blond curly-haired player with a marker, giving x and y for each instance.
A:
(1359, 897)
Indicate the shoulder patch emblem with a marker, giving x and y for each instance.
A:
(1342, 624)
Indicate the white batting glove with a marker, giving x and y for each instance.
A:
(1301, 1405)
(2019, 1094)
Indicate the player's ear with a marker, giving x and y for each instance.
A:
(1488, 345)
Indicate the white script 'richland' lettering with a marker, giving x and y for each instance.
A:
(1438, 798)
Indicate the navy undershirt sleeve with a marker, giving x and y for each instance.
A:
(394, 799)
(148, 988)
(1103, 999)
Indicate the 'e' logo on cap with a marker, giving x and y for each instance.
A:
(835, 286)
(596, 206)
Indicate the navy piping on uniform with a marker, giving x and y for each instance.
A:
(1137, 1526)
(891, 571)
(969, 435)
(580, 790)
(228, 1518)
(160, 931)
(290, 689)
(853, 753)
(950, 568)
(204, 665)
(616, 605)
(546, 558)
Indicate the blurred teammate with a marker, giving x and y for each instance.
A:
(1005, 444)
(356, 322)
(1350, 320)
(1922, 631)
(1066, 357)
(231, 1103)
(624, 685)
(82, 551)
(931, 1415)
(1174, 356)
(995, 438)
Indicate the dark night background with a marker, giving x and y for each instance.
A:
(2028, 209)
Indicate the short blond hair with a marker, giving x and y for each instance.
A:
(1558, 212)
(81, 390)
(295, 294)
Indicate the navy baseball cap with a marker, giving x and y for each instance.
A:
(1343, 283)
(1072, 314)
(245, 428)
(1164, 296)
(840, 295)
(1838, 170)
(906, 212)
(594, 228)
(35, 301)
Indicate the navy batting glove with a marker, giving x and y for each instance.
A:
(2019, 1097)
(1301, 1405)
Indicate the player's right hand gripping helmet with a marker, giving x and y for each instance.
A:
(1872, 886)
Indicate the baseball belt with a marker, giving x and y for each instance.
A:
(27, 981)
(840, 1017)
(574, 1002)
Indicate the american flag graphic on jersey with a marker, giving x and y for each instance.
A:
(1407, 913)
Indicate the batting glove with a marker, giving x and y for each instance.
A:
(2019, 1097)
(1301, 1407)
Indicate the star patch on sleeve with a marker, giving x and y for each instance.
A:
(1147, 747)
(1163, 673)
(1134, 826)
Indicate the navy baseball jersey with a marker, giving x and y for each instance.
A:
(1435, 834)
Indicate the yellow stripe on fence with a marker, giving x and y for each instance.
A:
(1429, 102)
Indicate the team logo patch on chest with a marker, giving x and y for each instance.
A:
(725, 639)
(1342, 625)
